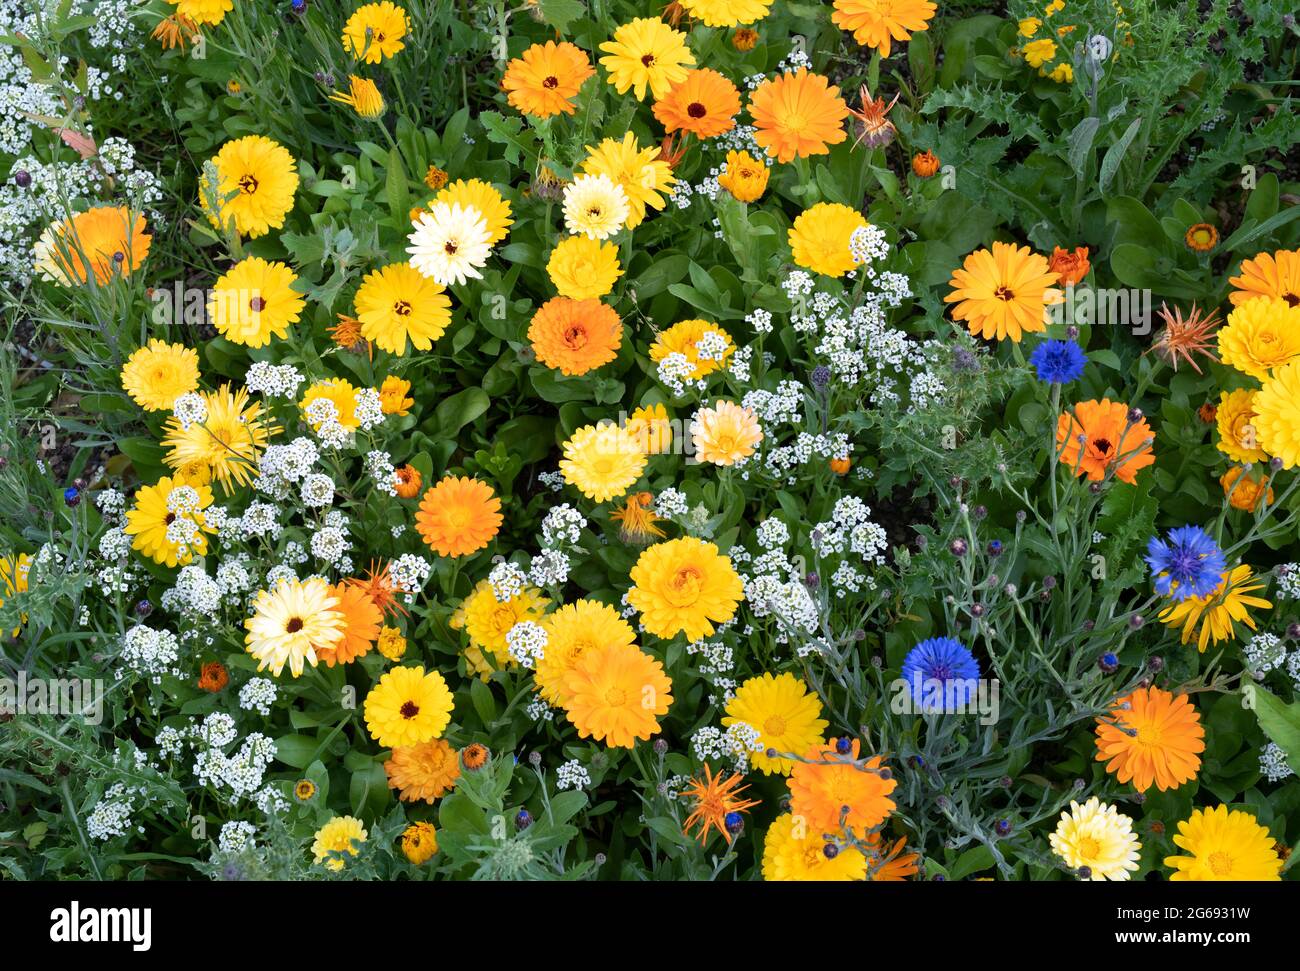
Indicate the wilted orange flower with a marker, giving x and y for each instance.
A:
(1185, 338)
(1207, 412)
(715, 797)
(347, 334)
(435, 178)
(1151, 736)
(925, 164)
(458, 516)
(638, 519)
(575, 336)
(887, 863)
(378, 585)
(1069, 267)
(1246, 493)
(393, 398)
(1202, 237)
(744, 39)
(798, 114)
(874, 128)
(1107, 437)
(409, 481)
(174, 30)
(362, 619)
(213, 676)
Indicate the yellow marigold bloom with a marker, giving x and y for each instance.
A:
(419, 843)
(458, 516)
(575, 336)
(158, 373)
(639, 172)
(819, 238)
(595, 206)
(1260, 335)
(1151, 737)
(397, 304)
(744, 176)
(254, 301)
(725, 434)
(1277, 415)
(484, 199)
(726, 13)
(1201, 237)
(341, 393)
(652, 427)
(646, 53)
(103, 241)
(226, 444)
(1224, 844)
(786, 715)
(291, 622)
(637, 520)
(337, 837)
(875, 23)
(1039, 52)
(615, 694)
(583, 268)
(705, 104)
(1004, 292)
(603, 461)
(1243, 490)
(1268, 275)
(14, 571)
(487, 620)
(391, 644)
(572, 630)
(793, 851)
(304, 789)
(375, 32)
(159, 512)
(684, 586)
(203, 11)
(1218, 612)
(394, 396)
(257, 179)
(683, 338)
(798, 114)
(544, 80)
(823, 785)
(1098, 836)
(362, 96)
(424, 771)
(1061, 74)
(435, 178)
(408, 707)
(1028, 27)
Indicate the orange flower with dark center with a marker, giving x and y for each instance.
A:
(575, 336)
(704, 103)
(1151, 736)
(925, 164)
(1099, 436)
(1207, 412)
(1070, 267)
(378, 586)
(638, 519)
(458, 516)
(475, 756)
(715, 798)
(213, 676)
(545, 79)
(1184, 339)
(409, 481)
(1202, 237)
(362, 618)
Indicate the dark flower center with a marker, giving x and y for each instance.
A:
(410, 709)
(1102, 445)
(257, 304)
(1004, 293)
(294, 625)
(248, 183)
(696, 110)
(648, 60)
(551, 82)
(402, 308)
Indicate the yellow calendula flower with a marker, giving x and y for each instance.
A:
(210, 12)
(652, 427)
(484, 199)
(786, 715)
(602, 461)
(341, 394)
(1217, 613)
(1039, 52)
(254, 301)
(488, 620)
(399, 306)
(583, 268)
(362, 96)
(793, 851)
(408, 707)
(1277, 415)
(391, 644)
(1061, 74)
(684, 338)
(819, 238)
(639, 172)
(1099, 837)
(291, 623)
(395, 396)
(1260, 336)
(572, 630)
(1223, 844)
(158, 373)
(595, 206)
(167, 521)
(1028, 27)
(419, 842)
(726, 13)
(225, 444)
(1238, 433)
(744, 176)
(338, 837)
(257, 179)
(646, 54)
(684, 586)
(14, 571)
(375, 31)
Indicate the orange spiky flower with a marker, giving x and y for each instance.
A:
(379, 585)
(673, 148)
(715, 798)
(874, 129)
(675, 13)
(887, 863)
(1186, 338)
(346, 334)
(638, 519)
(172, 31)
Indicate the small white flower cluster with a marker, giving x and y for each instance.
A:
(572, 775)
(675, 372)
(784, 405)
(189, 410)
(867, 246)
(712, 658)
(671, 504)
(1288, 581)
(258, 695)
(273, 380)
(323, 415)
(562, 527)
(111, 816)
(317, 490)
(737, 743)
(283, 466)
(711, 346)
(507, 581)
(552, 480)
(772, 534)
(1273, 763)
(241, 773)
(539, 711)
(850, 529)
(526, 642)
(549, 568)
(330, 545)
(111, 504)
(741, 362)
(370, 408)
(193, 595)
(1264, 652)
(236, 835)
(379, 466)
(115, 544)
(148, 652)
(408, 574)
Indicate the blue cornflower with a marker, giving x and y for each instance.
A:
(1190, 564)
(941, 674)
(1058, 362)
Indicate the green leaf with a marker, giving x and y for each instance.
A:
(558, 13)
(1115, 154)
(1281, 723)
(460, 409)
(1081, 143)
(396, 188)
(486, 705)
(296, 750)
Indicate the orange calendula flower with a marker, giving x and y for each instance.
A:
(1185, 338)
(797, 115)
(436, 178)
(458, 516)
(826, 784)
(575, 336)
(408, 481)
(1070, 267)
(1268, 275)
(638, 519)
(1003, 292)
(715, 797)
(1201, 237)
(875, 23)
(744, 39)
(103, 241)
(745, 177)
(887, 863)
(475, 756)
(362, 619)
(1207, 413)
(614, 693)
(378, 585)
(1244, 491)
(925, 164)
(393, 396)
(424, 771)
(544, 80)
(705, 104)
(1098, 436)
(1151, 737)
(213, 676)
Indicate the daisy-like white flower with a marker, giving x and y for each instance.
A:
(1097, 840)
(450, 243)
(595, 206)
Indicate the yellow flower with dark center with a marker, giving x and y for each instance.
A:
(786, 715)
(646, 54)
(583, 268)
(595, 206)
(1277, 415)
(639, 172)
(362, 96)
(1217, 613)
(254, 301)
(684, 586)
(408, 707)
(819, 238)
(1274, 274)
(158, 373)
(1223, 844)
(338, 837)
(572, 630)
(158, 515)
(304, 789)
(397, 306)
(1003, 292)
(745, 177)
(419, 842)
(1260, 336)
(602, 461)
(375, 31)
(257, 179)
(226, 444)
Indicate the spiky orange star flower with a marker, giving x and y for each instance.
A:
(874, 129)
(887, 863)
(174, 30)
(716, 797)
(638, 519)
(379, 585)
(1185, 338)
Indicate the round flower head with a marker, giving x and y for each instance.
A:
(683, 338)
(291, 622)
(1218, 611)
(1243, 490)
(1058, 362)
(1268, 275)
(226, 444)
(375, 31)
(1098, 436)
(786, 715)
(1260, 336)
(362, 619)
(157, 508)
(419, 842)
(1223, 844)
(544, 80)
(210, 12)
(826, 784)
(424, 771)
(450, 243)
(941, 675)
(582, 268)
(652, 427)
(257, 179)
(725, 434)
(158, 373)
(103, 242)
(819, 238)
(1202, 237)
(254, 301)
(1277, 415)
(603, 461)
(798, 114)
(704, 104)
(1098, 836)
(338, 837)
(1189, 564)
(341, 394)
(640, 172)
(745, 177)
(794, 851)
(1003, 292)
(397, 304)
(1238, 430)
(1069, 266)
(726, 13)
(575, 336)
(594, 206)
(646, 53)
(484, 199)
(458, 516)
(408, 707)
(1151, 737)
(488, 620)
(684, 586)
(394, 396)
(874, 23)
(614, 694)
(571, 631)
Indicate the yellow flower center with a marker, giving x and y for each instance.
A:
(774, 726)
(1089, 848)
(1220, 863)
(615, 697)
